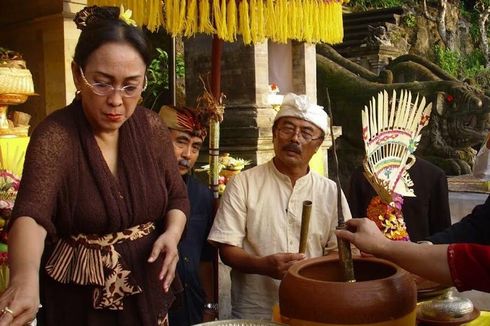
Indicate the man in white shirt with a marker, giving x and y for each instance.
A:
(257, 226)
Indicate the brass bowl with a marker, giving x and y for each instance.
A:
(447, 309)
(451, 322)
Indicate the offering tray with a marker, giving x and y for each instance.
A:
(14, 99)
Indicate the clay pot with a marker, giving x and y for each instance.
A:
(312, 293)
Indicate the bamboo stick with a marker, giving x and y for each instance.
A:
(305, 223)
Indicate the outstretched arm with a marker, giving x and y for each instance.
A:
(430, 262)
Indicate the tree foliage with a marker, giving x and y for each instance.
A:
(375, 4)
(158, 78)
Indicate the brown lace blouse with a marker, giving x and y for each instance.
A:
(68, 188)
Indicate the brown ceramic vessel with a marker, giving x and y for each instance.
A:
(313, 290)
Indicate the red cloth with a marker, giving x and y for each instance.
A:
(469, 265)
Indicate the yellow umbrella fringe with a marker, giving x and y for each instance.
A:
(283, 21)
(316, 21)
(300, 20)
(275, 30)
(183, 10)
(158, 16)
(224, 16)
(149, 15)
(134, 7)
(244, 21)
(270, 18)
(231, 20)
(255, 20)
(307, 24)
(219, 14)
(252, 7)
(167, 8)
(175, 17)
(329, 33)
(296, 19)
(205, 25)
(293, 25)
(216, 14)
(191, 22)
(324, 16)
(261, 22)
(169, 16)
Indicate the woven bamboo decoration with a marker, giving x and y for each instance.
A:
(391, 133)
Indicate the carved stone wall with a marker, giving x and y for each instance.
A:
(368, 35)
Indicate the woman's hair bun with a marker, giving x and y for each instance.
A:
(95, 15)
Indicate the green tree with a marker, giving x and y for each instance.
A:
(158, 78)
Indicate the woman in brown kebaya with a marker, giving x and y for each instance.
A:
(101, 206)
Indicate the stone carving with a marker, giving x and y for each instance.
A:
(459, 119)
(377, 36)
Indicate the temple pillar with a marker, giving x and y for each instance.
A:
(246, 131)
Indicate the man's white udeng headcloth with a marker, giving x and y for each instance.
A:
(299, 106)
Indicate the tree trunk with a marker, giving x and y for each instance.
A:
(482, 25)
(440, 20)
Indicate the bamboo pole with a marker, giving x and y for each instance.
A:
(214, 135)
(305, 223)
(345, 255)
(217, 50)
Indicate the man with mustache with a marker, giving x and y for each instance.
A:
(195, 267)
(257, 226)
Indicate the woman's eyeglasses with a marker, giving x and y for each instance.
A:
(104, 89)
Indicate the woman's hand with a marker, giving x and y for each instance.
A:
(19, 303)
(166, 244)
(367, 237)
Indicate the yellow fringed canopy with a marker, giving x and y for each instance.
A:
(256, 20)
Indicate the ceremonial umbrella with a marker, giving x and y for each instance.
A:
(255, 20)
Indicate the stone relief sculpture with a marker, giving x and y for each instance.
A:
(377, 35)
(459, 119)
